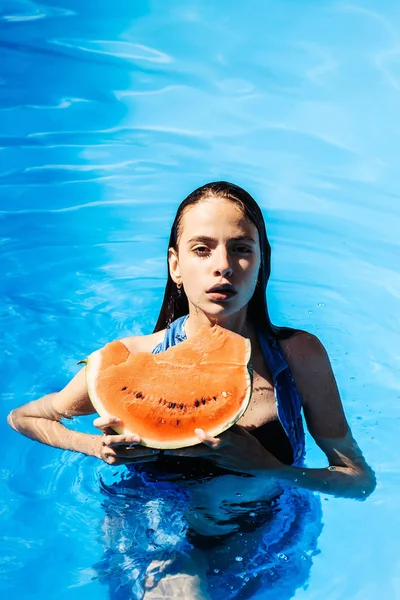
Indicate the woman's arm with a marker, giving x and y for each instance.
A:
(41, 419)
(348, 474)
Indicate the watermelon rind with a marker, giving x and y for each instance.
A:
(92, 368)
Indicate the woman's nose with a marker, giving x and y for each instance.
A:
(222, 266)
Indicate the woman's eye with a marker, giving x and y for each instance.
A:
(201, 250)
(243, 249)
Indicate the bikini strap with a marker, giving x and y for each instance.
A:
(174, 334)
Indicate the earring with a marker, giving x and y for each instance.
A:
(179, 287)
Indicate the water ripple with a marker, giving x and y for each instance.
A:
(14, 11)
(126, 50)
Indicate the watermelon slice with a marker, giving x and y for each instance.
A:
(204, 382)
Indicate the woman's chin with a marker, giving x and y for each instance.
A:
(220, 309)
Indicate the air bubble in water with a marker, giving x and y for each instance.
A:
(238, 558)
(352, 378)
(252, 514)
(321, 304)
(283, 556)
(216, 570)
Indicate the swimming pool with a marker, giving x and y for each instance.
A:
(111, 113)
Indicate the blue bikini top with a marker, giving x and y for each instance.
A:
(287, 396)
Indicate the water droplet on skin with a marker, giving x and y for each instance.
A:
(332, 468)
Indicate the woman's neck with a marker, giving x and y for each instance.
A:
(237, 322)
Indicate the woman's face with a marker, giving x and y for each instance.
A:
(218, 257)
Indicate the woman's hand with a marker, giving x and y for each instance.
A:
(117, 449)
(236, 450)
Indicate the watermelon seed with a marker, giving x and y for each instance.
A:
(139, 395)
(214, 397)
(203, 401)
(196, 403)
(181, 406)
(124, 388)
(172, 404)
(177, 421)
(164, 402)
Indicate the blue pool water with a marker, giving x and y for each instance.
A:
(111, 113)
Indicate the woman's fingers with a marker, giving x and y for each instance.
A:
(116, 460)
(209, 447)
(106, 422)
(114, 456)
(212, 442)
(111, 438)
(121, 440)
(118, 449)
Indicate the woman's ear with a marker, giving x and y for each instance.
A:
(173, 262)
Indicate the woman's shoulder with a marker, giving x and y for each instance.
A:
(301, 346)
(303, 351)
(143, 343)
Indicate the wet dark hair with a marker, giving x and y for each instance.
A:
(175, 304)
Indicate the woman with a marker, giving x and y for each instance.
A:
(219, 266)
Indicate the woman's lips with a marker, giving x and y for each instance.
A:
(221, 294)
